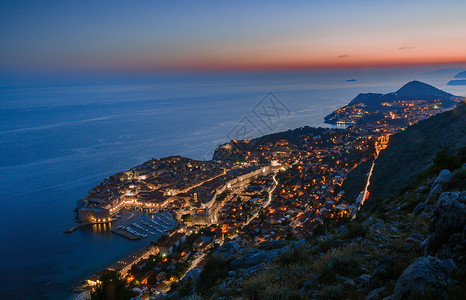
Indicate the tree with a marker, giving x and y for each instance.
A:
(111, 287)
(443, 160)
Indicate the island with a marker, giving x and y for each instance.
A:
(458, 81)
(461, 75)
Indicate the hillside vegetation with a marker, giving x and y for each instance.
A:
(411, 151)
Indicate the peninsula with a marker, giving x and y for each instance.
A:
(282, 186)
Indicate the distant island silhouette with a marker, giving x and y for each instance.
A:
(458, 82)
(461, 75)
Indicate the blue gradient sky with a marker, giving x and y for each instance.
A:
(146, 35)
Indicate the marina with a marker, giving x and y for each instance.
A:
(158, 224)
(153, 227)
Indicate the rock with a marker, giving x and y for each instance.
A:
(419, 208)
(254, 269)
(228, 250)
(349, 284)
(369, 221)
(231, 273)
(269, 245)
(455, 248)
(423, 244)
(417, 236)
(448, 218)
(222, 285)
(300, 243)
(308, 283)
(436, 189)
(383, 270)
(362, 281)
(443, 176)
(407, 246)
(424, 272)
(342, 228)
(248, 260)
(375, 294)
(192, 274)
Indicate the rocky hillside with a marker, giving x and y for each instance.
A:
(406, 246)
(411, 151)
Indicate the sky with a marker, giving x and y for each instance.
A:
(183, 35)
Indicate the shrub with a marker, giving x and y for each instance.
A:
(111, 287)
(457, 181)
(332, 292)
(216, 269)
(355, 230)
(343, 262)
(254, 287)
(443, 160)
(294, 256)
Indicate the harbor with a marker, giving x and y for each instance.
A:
(141, 224)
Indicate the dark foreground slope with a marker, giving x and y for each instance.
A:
(411, 151)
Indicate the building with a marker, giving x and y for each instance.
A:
(94, 215)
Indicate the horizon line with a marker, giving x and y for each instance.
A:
(234, 68)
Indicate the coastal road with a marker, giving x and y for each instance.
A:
(271, 191)
(359, 204)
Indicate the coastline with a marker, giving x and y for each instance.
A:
(169, 158)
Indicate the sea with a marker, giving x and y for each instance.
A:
(61, 134)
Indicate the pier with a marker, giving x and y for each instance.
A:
(125, 234)
(70, 230)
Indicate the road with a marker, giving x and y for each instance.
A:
(359, 204)
(194, 264)
(269, 199)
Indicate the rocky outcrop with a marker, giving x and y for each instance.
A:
(228, 250)
(424, 273)
(443, 176)
(447, 226)
(436, 189)
(375, 294)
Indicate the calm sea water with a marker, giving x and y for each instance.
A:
(60, 136)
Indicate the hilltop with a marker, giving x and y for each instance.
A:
(370, 107)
